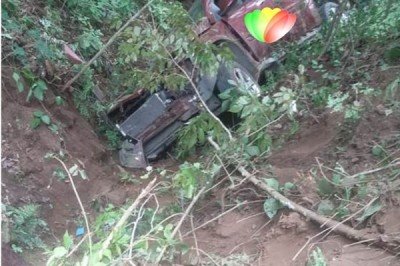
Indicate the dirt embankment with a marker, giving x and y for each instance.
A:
(27, 177)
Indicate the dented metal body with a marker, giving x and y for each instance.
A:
(149, 122)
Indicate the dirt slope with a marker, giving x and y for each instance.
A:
(27, 177)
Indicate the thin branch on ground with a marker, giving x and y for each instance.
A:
(367, 172)
(208, 256)
(372, 171)
(110, 41)
(332, 225)
(328, 230)
(213, 219)
(79, 201)
(194, 236)
(178, 226)
(126, 215)
(135, 224)
(227, 172)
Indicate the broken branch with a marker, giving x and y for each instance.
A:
(178, 226)
(335, 226)
(126, 215)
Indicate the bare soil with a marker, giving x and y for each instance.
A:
(28, 178)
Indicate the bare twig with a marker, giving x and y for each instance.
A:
(213, 219)
(110, 41)
(178, 226)
(75, 248)
(126, 215)
(208, 256)
(368, 172)
(135, 224)
(267, 125)
(194, 236)
(71, 180)
(330, 229)
(344, 229)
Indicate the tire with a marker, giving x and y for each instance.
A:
(239, 75)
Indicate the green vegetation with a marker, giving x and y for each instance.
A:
(317, 258)
(24, 226)
(316, 76)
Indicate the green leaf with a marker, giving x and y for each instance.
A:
(59, 100)
(45, 119)
(53, 128)
(370, 210)
(38, 114)
(253, 151)
(325, 207)
(325, 188)
(201, 136)
(378, 151)
(35, 123)
(38, 89)
(168, 232)
(235, 108)
(73, 170)
(67, 240)
(17, 79)
(83, 174)
(272, 182)
(271, 207)
(107, 253)
(59, 252)
(289, 186)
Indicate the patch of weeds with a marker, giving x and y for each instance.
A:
(40, 118)
(272, 205)
(114, 139)
(25, 226)
(196, 133)
(191, 177)
(60, 174)
(37, 87)
(342, 193)
(317, 258)
(126, 177)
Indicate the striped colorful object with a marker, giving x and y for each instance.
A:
(269, 25)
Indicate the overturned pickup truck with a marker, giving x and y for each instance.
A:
(149, 121)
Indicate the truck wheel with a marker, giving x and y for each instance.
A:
(238, 74)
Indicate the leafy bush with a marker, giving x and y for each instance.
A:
(191, 177)
(26, 227)
(196, 133)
